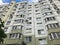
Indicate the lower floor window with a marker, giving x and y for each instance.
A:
(42, 42)
(15, 35)
(54, 35)
(28, 39)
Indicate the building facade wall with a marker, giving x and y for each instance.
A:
(32, 22)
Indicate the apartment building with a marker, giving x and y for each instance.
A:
(50, 11)
(35, 23)
(3, 9)
(25, 23)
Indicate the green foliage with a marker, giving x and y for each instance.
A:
(2, 33)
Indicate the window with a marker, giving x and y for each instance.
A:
(11, 3)
(29, 13)
(42, 42)
(46, 9)
(5, 29)
(49, 8)
(38, 18)
(39, 23)
(29, 10)
(36, 7)
(47, 13)
(14, 27)
(20, 16)
(19, 27)
(12, 12)
(18, 11)
(19, 21)
(8, 22)
(37, 13)
(15, 35)
(8, 8)
(15, 6)
(29, 22)
(55, 7)
(19, 8)
(22, 6)
(58, 11)
(36, 4)
(58, 35)
(36, 10)
(14, 9)
(51, 1)
(50, 19)
(54, 25)
(29, 18)
(11, 16)
(29, 5)
(28, 39)
(54, 35)
(28, 28)
(12, 35)
(41, 0)
(41, 31)
(44, 3)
